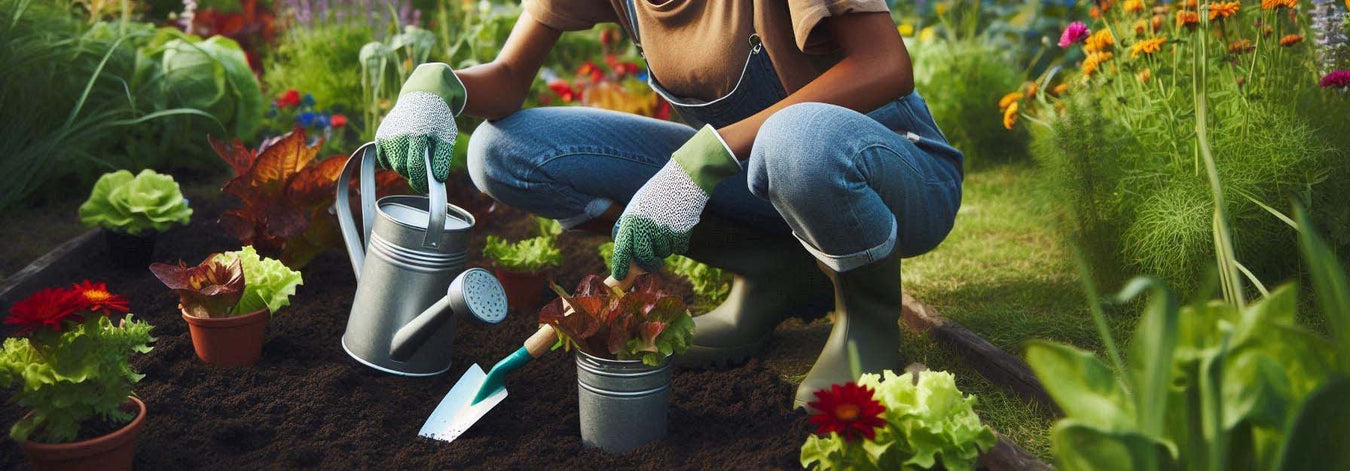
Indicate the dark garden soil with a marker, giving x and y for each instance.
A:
(307, 404)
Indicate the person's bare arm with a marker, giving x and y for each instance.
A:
(498, 88)
(875, 69)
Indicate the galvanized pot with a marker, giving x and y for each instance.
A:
(414, 246)
(624, 403)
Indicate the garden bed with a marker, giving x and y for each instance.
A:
(307, 404)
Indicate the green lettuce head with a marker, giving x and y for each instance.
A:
(134, 205)
(268, 283)
(928, 421)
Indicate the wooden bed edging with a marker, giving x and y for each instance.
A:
(36, 275)
(993, 363)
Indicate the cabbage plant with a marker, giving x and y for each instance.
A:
(146, 202)
(211, 75)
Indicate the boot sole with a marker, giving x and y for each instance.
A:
(701, 357)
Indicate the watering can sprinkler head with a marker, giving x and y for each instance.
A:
(474, 292)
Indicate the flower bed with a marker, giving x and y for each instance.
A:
(307, 404)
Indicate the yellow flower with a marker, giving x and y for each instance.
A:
(1009, 100)
(1010, 116)
(1220, 10)
(927, 34)
(1099, 41)
(1291, 40)
(1094, 60)
(1147, 46)
(1144, 75)
(1140, 27)
(1032, 88)
(1134, 6)
(905, 29)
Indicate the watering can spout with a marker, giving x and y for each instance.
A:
(475, 292)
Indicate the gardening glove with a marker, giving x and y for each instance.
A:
(422, 118)
(657, 222)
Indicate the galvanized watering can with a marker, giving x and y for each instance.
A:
(410, 275)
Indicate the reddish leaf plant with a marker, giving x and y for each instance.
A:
(286, 194)
(646, 323)
(210, 289)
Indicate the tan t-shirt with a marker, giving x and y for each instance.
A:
(697, 48)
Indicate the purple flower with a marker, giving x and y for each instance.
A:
(1337, 79)
(1075, 32)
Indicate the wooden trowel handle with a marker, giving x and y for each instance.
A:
(545, 337)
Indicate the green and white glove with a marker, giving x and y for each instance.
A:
(422, 118)
(657, 222)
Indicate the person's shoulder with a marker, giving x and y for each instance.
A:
(572, 15)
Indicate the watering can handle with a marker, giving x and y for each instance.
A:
(544, 338)
(364, 157)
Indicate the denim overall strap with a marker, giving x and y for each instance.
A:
(757, 89)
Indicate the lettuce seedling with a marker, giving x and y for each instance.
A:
(268, 284)
(127, 204)
(210, 289)
(645, 324)
(526, 256)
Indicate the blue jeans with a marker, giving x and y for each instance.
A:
(850, 186)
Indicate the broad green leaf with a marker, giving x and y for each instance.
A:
(1084, 387)
(1080, 445)
(1316, 438)
(1331, 285)
(1155, 340)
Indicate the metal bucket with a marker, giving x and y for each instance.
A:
(624, 403)
(414, 246)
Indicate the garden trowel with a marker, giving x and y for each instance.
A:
(477, 392)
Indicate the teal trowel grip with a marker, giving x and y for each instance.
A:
(494, 379)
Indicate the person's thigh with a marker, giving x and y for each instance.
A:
(573, 163)
(850, 188)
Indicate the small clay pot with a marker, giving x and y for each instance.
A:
(112, 452)
(130, 252)
(524, 290)
(228, 341)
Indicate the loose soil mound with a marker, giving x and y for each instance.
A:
(307, 404)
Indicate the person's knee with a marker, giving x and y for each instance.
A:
(797, 149)
(490, 161)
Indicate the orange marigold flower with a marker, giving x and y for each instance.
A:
(1095, 12)
(1187, 18)
(1241, 46)
(1060, 89)
(1010, 116)
(1192, 4)
(1157, 22)
(1134, 6)
(1144, 75)
(1095, 60)
(1099, 41)
(1147, 46)
(1032, 88)
(1273, 4)
(1291, 40)
(1009, 100)
(1220, 10)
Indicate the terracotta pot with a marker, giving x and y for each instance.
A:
(130, 252)
(113, 451)
(228, 341)
(524, 290)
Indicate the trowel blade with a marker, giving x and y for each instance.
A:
(455, 415)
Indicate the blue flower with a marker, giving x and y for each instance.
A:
(306, 119)
(321, 121)
(308, 100)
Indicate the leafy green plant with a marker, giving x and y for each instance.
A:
(645, 324)
(926, 423)
(210, 289)
(962, 80)
(711, 285)
(210, 75)
(73, 367)
(526, 256)
(311, 59)
(548, 227)
(268, 284)
(136, 204)
(1213, 385)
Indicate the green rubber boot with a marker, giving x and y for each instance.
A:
(867, 313)
(774, 278)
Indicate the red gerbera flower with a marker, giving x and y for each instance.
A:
(849, 410)
(100, 299)
(47, 308)
(564, 90)
(289, 99)
(338, 120)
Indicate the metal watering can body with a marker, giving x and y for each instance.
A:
(414, 246)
